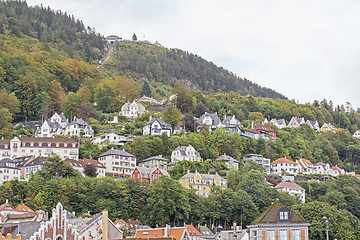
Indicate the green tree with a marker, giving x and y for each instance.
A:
(145, 91)
(5, 123)
(172, 116)
(55, 167)
(70, 105)
(90, 170)
(184, 101)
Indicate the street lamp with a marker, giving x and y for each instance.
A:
(327, 227)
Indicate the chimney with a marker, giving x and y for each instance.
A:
(7, 200)
(234, 228)
(167, 230)
(105, 225)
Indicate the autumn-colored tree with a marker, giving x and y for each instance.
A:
(125, 87)
(5, 123)
(85, 110)
(10, 102)
(84, 94)
(56, 94)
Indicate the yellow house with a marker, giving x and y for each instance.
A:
(202, 183)
(328, 127)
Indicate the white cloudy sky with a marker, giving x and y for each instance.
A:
(304, 49)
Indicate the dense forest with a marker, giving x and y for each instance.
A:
(169, 66)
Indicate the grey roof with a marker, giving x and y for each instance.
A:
(228, 119)
(203, 176)
(182, 150)
(225, 157)
(63, 118)
(4, 161)
(27, 229)
(163, 124)
(37, 161)
(205, 231)
(80, 122)
(279, 121)
(116, 152)
(21, 161)
(299, 119)
(215, 119)
(153, 158)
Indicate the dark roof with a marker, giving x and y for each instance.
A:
(225, 157)
(37, 161)
(153, 158)
(5, 161)
(47, 140)
(79, 121)
(270, 215)
(21, 161)
(215, 119)
(116, 152)
(163, 124)
(27, 229)
(228, 119)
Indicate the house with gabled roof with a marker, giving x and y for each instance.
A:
(185, 153)
(8, 170)
(229, 161)
(279, 123)
(306, 166)
(231, 121)
(284, 165)
(293, 189)
(193, 232)
(202, 183)
(79, 128)
(210, 119)
(118, 162)
(278, 222)
(34, 166)
(154, 161)
(357, 134)
(157, 126)
(148, 174)
(100, 168)
(132, 110)
(327, 127)
(314, 125)
(295, 122)
(261, 130)
(164, 233)
(53, 126)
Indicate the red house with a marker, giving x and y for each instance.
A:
(262, 129)
(149, 174)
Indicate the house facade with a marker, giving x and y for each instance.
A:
(8, 170)
(327, 127)
(357, 134)
(284, 165)
(132, 110)
(32, 146)
(202, 183)
(279, 123)
(293, 189)
(79, 128)
(185, 153)
(148, 174)
(305, 166)
(265, 162)
(34, 166)
(231, 121)
(295, 122)
(153, 162)
(118, 162)
(278, 222)
(157, 126)
(112, 139)
(314, 125)
(229, 161)
(210, 119)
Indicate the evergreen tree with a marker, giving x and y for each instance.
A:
(145, 91)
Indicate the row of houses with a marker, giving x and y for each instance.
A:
(276, 222)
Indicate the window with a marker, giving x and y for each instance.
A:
(295, 235)
(270, 235)
(283, 235)
(283, 215)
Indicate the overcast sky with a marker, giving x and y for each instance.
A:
(304, 49)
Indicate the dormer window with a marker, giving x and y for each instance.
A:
(283, 215)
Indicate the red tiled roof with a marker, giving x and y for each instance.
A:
(336, 168)
(283, 160)
(23, 208)
(305, 163)
(289, 185)
(192, 230)
(94, 162)
(21, 216)
(175, 232)
(3, 206)
(118, 221)
(50, 140)
(258, 126)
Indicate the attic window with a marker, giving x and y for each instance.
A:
(283, 215)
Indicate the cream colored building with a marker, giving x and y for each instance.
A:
(202, 183)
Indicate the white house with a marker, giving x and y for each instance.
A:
(279, 123)
(295, 122)
(229, 161)
(8, 170)
(323, 168)
(305, 166)
(210, 119)
(33, 166)
(100, 168)
(111, 138)
(157, 126)
(293, 189)
(79, 128)
(231, 121)
(27, 146)
(54, 126)
(118, 162)
(284, 164)
(357, 134)
(185, 153)
(314, 125)
(132, 110)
